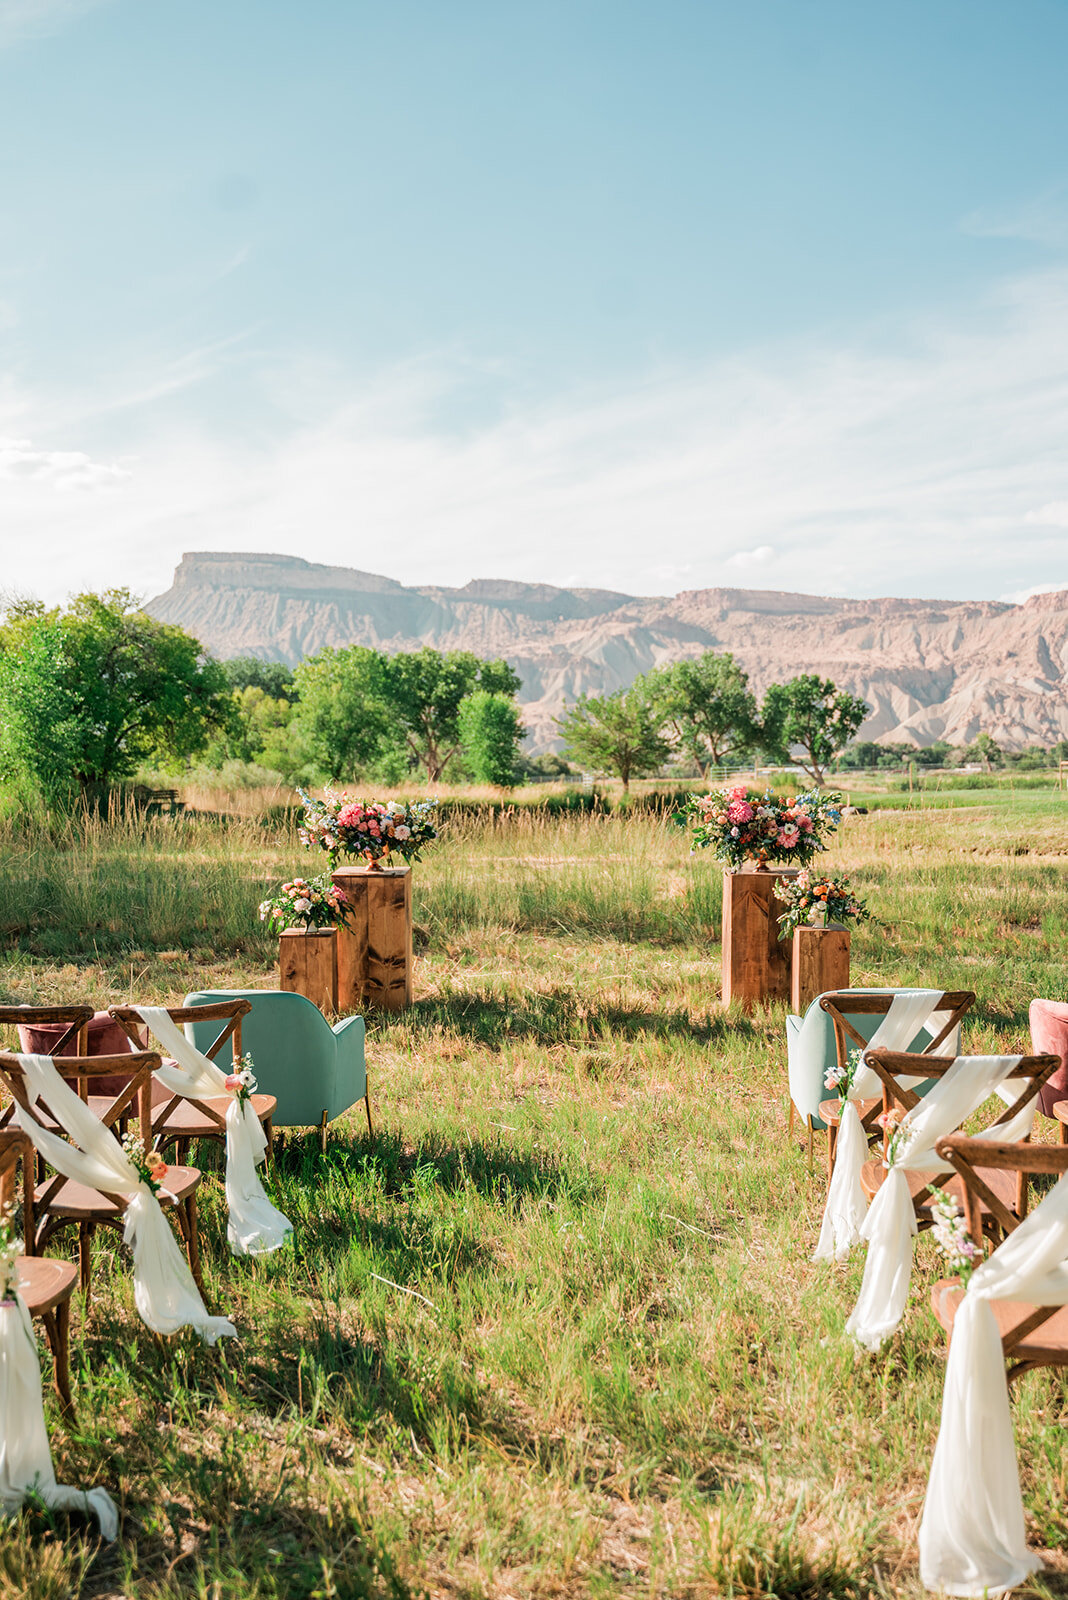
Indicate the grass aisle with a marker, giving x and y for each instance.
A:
(556, 1331)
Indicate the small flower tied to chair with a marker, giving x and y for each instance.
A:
(891, 1223)
(165, 1294)
(254, 1227)
(25, 1457)
(846, 1207)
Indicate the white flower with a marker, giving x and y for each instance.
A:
(402, 832)
(302, 905)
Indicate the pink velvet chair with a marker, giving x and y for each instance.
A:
(1049, 1036)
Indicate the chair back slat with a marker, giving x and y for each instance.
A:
(229, 1012)
(846, 1003)
(15, 1146)
(966, 1155)
(137, 1093)
(1031, 1071)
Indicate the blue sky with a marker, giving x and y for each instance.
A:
(649, 296)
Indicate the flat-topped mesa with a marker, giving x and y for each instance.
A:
(233, 568)
(929, 669)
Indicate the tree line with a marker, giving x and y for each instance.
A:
(94, 691)
(91, 692)
(704, 711)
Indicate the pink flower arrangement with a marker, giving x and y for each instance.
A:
(741, 825)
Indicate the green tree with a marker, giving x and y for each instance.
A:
(426, 690)
(814, 714)
(986, 749)
(617, 733)
(490, 730)
(88, 693)
(273, 677)
(343, 717)
(708, 708)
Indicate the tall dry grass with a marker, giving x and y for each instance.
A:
(610, 1367)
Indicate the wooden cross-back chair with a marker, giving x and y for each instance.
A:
(44, 1285)
(1028, 1076)
(177, 1120)
(74, 1020)
(61, 1202)
(1031, 1336)
(840, 1007)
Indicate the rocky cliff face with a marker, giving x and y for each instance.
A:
(930, 669)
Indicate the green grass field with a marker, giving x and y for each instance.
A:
(610, 1367)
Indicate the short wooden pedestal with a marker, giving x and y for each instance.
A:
(820, 965)
(374, 944)
(756, 964)
(307, 965)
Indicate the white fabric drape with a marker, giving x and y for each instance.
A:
(25, 1456)
(164, 1292)
(890, 1225)
(972, 1537)
(844, 1213)
(254, 1226)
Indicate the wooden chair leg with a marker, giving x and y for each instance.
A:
(367, 1108)
(790, 1123)
(268, 1131)
(187, 1221)
(1064, 1133)
(57, 1328)
(85, 1260)
(809, 1121)
(322, 1133)
(832, 1141)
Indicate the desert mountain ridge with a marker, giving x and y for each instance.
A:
(930, 669)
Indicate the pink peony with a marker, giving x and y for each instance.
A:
(350, 816)
(740, 811)
(789, 837)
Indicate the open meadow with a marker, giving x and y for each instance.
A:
(603, 1363)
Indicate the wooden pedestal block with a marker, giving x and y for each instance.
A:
(307, 965)
(820, 964)
(374, 945)
(756, 963)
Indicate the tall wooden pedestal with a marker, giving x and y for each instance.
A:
(307, 965)
(820, 964)
(756, 964)
(374, 945)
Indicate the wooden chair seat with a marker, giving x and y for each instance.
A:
(188, 1121)
(1047, 1345)
(1003, 1184)
(77, 1200)
(44, 1283)
(831, 1115)
(1060, 1110)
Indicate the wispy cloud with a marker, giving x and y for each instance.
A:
(61, 470)
(934, 467)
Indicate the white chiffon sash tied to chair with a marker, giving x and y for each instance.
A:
(846, 1207)
(890, 1225)
(972, 1535)
(164, 1291)
(25, 1457)
(254, 1227)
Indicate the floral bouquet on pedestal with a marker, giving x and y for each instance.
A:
(305, 903)
(742, 826)
(813, 902)
(369, 828)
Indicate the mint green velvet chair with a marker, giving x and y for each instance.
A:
(315, 1071)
